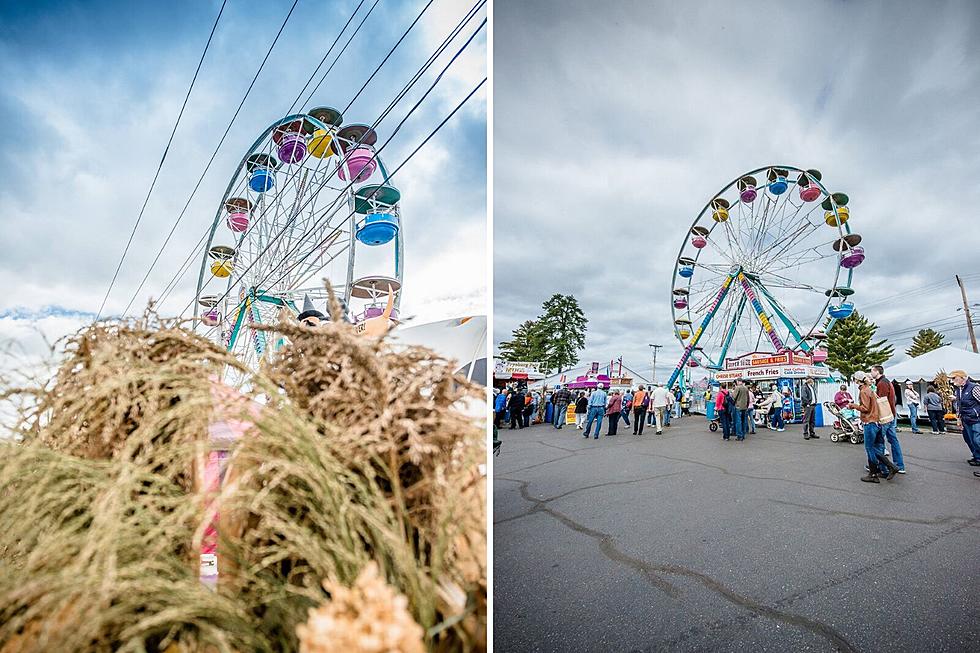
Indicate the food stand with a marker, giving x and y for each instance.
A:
(786, 369)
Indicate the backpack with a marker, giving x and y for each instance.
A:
(729, 402)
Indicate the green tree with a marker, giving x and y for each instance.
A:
(562, 328)
(850, 348)
(925, 341)
(526, 344)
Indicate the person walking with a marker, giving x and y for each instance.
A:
(966, 395)
(724, 409)
(561, 399)
(613, 409)
(912, 400)
(516, 406)
(597, 407)
(659, 403)
(581, 408)
(627, 405)
(933, 404)
(874, 441)
(499, 407)
(884, 388)
(640, 403)
(529, 406)
(740, 395)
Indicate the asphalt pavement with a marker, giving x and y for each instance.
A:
(685, 542)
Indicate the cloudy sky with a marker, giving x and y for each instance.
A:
(613, 128)
(89, 94)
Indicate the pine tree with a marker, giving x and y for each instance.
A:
(562, 329)
(925, 341)
(849, 346)
(526, 344)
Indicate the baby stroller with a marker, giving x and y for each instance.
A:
(846, 427)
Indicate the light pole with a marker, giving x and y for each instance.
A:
(655, 348)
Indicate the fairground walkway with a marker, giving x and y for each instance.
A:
(683, 542)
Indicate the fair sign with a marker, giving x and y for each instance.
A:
(775, 372)
(767, 360)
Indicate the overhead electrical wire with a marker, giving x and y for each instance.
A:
(184, 266)
(166, 150)
(215, 153)
(441, 48)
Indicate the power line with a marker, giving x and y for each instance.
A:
(377, 122)
(208, 166)
(183, 268)
(163, 158)
(378, 152)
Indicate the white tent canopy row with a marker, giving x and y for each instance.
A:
(928, 365)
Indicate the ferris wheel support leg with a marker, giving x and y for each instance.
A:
(785, 319)
(760, 312)
(725, 287)
(731, 331)
(235, 330)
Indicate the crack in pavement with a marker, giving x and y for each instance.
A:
(845, 513)
(538, 503)
(653, 574)
(726, 471)
(830, 583)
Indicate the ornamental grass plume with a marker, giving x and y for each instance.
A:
(356, 458)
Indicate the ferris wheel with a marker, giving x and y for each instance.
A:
(307, 196)
(767, 265)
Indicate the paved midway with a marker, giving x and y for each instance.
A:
(684, 542)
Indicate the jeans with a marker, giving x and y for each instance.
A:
(649, 414)
(751, 420)
(613, 423)
(638, 419)
(740, 425)
(971, 435)
(595, 413)
(874, 445)
(560, 417)
(914, 417)
(888, 430)
(937, 420)
(666, 419)
(626, 416)
(777, 419)
(726, 424)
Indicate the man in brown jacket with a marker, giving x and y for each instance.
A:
(874, 439)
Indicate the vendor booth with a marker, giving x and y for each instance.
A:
(786, 370)
(517, 373)
(922, 370)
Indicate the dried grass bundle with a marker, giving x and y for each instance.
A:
(358, 458)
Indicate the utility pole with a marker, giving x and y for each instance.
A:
(655, 348)
(969, 318)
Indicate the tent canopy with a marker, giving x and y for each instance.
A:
(928, 365)
(462, 339)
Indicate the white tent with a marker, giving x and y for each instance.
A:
(928, 365)
(462, 339)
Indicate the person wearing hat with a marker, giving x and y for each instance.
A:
(966, 395)
(912, 399)
(874, 438)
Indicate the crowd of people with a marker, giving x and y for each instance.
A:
(637, 408)
(740, 407)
